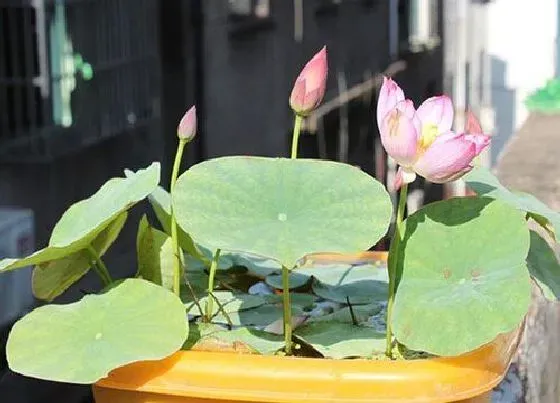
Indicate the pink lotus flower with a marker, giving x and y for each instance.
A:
(421, 141)
(309, 88)
(187, 127)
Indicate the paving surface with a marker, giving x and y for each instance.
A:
(531, 163)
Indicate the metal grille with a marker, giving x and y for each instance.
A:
(75, 72)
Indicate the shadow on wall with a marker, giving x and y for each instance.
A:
(503, 102)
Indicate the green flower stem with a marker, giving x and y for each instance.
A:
(287, 309)
(211, 276)
(392, 265)
(99, 266)
(174, 238)
(295, 136)
(286, 305)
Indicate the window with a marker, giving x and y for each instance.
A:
(247, 16)
(249, 9)
(423, 24)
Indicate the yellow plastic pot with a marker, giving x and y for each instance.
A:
(204, 377)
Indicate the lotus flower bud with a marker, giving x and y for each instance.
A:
(187, 126)
(309, 88)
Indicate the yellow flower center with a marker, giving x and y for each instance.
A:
(429, 135)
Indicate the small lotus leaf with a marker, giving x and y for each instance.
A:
(81, 342)
(464, 276)
(50, 279)
(155, 255)
(342, 340)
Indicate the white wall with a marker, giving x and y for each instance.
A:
(521, 45)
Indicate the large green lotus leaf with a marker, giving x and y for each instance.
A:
(160, 200)
(85, 219)
(231, 302)
(281, 208)
(83, 341)
(464, 276)
(52, 278)
(358, 284)
(155, 255)
(544, 267)
(342, 340)
(485, 184)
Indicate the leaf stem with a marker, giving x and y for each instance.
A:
(221, 309)
(99, 266)
(193, 293)
(392, 265)
(211, 276)
(174, 237)
(295, 135)
(351, 308)
(287, 309)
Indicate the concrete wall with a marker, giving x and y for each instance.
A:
(521, 46)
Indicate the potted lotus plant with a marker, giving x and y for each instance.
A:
(259, 286)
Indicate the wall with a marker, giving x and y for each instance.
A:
(521, 45)
(248, 78)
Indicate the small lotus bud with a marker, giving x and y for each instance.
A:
(187, 126)
(310, 85)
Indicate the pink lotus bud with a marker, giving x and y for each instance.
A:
(309, 88)
(399, 133)
(449, 157)
(187, 126)
(389, 96)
